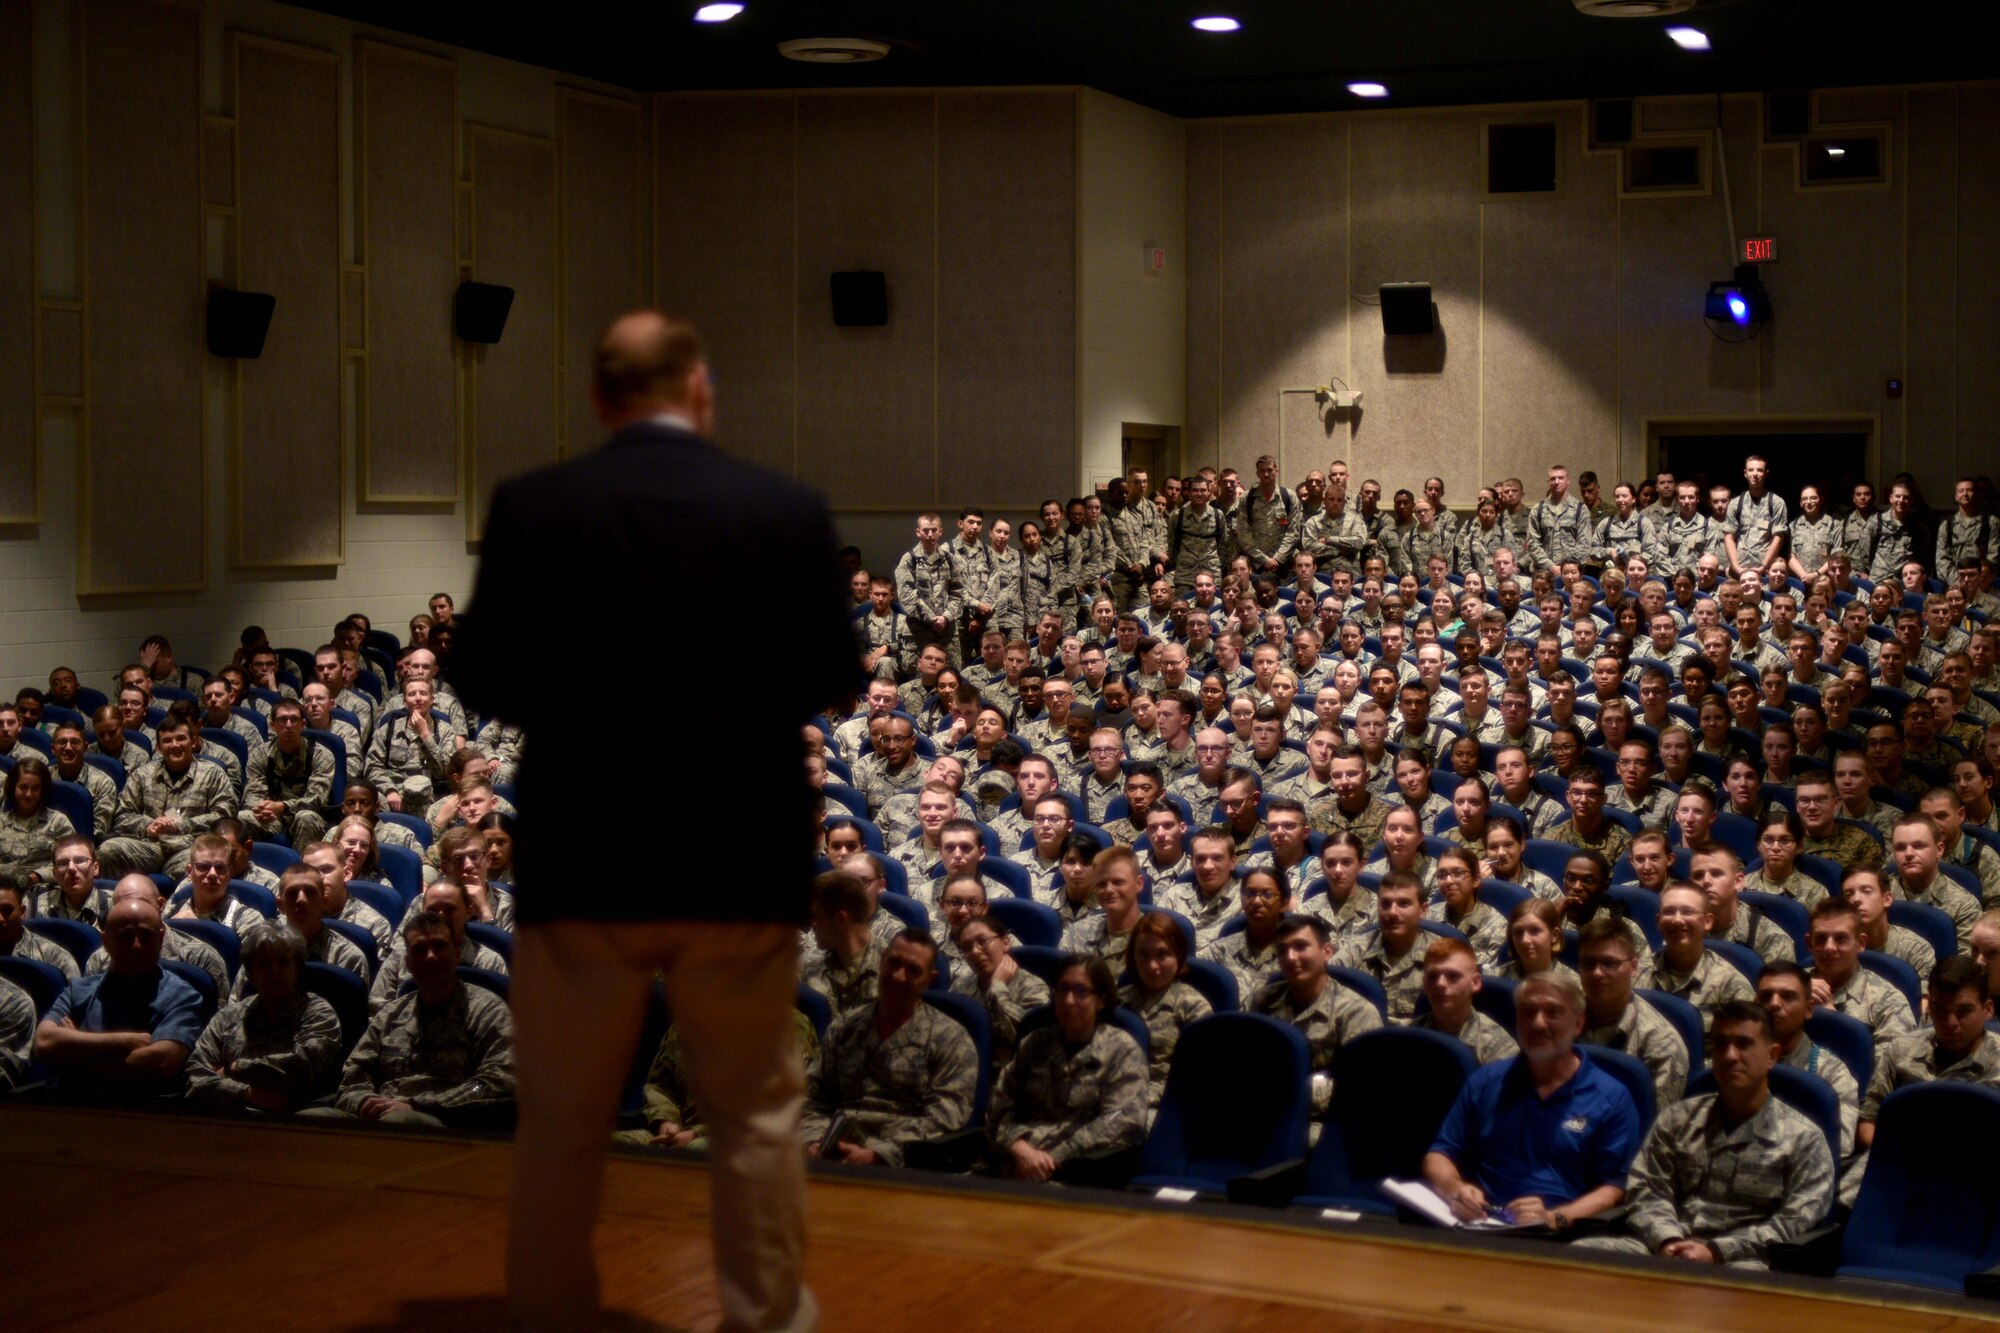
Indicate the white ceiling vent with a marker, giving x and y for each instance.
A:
(1632, 9)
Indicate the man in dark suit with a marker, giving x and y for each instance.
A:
(573, 549)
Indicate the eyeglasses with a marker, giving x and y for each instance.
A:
(1072, 991)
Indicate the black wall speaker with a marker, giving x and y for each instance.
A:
(1611, 121)
(860, 299)
(238, 321)
(479, 311)
(1406, 307)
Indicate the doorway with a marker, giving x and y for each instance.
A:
(1831, 452)
(1154, 450)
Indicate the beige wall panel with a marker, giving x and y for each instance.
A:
(1929, 407)
(1414, 200)
(1202, 440)
(605, 197)
(287, 454)
(406, 122)
(20, 481)
(725, 256)
(867, 396)
(1978, 280)
(1550, 376)
(1836, 294)
(139, 80)
(1006, 298)
(1669, 250)
(62, 352)
(512, 383)
(1666, 115)
(1847, 106)
(1283, 205)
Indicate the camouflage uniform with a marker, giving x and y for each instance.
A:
(1875, 1002)
(396, 969)
(229, 912)
(1802, 889)
(1892, 544)
(1753, 523)
(1166, 1014)
(1712, 983)
(1741, 1187)
(43, 950)
(132, 756)
(891, 632)
(1521, 539)
(1562, 528)
(1909, 947)
(327, 946)
(1752, 929)
(1618, 538)
(927, 588)
(28, 846)
(1487, 1039)
(669, 1100)
(103, 797)
(845, 985)
(1641, 1032)
(1947, 897)
(1072, 1105)
(1208, 914)
(1961, 538)
(1345, 921)
(1439, 539)
(1097, 794)
(501, 742)
(304, 782)
(1814, 539)
(1845, 845)
(1982, 861)
(1365, 824)
(17, 1035)
(197, 797)
(897, 818)
(1484, 928)
(1679, 542)
(1337, 539)
(1092, 937)
(1262, 526)
(875, 781)
(401, 761)
(975, 568)
(915, 1085)
(1655, 809)
(1005, 1002)
(1833, 1071)
(1427, 815)
(1336, 1016)
(1475, 547)
(1252, 967)
(451, 1064)
(364, 708)
(1195, 542)
(370, 920)
(1402, 977)
(1914, 1058)
(294, 1047)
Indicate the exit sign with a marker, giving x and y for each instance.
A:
(1760, 250)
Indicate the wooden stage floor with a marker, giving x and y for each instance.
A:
(121, 1222)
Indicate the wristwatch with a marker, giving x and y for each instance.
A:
(1558, 1220)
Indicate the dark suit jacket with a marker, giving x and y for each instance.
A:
(597, 566)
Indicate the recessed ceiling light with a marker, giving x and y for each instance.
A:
(1368, 89)
(1689, 39)
(1217, 23)
(1835, 150)
(833, 50)
(717, 13)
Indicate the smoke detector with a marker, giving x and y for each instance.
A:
(833, 50)
(1632, 9)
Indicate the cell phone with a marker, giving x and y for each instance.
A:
(834, 1129)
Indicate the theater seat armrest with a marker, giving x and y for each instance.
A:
(1815, 1252)
(1272, 1187)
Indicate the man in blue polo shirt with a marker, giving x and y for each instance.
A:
(1547, 1137)
(123, 1034)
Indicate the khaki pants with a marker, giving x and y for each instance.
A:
(579, 999)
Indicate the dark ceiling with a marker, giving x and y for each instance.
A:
(1290, 56)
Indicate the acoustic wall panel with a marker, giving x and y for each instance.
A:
(1414, 188)
(604, 203)
(1283, 193)
(867, 199)
(512, 383)
(405, 185)
(1549, 380)
(20, 474)
(286, 450)
(142, 498)
(1930, 259)
(1006, 266)
(1202, 435)
(726, 165)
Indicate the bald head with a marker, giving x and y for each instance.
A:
(136, 888)
(132, 933)
(649, 362)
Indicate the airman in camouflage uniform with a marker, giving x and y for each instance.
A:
(846, 983)
(1845, 845)
(1875, 1002)
(1640, 1032)
(928, 590)
(1914, 1057)
(419, 767)
(1487, 1039)
(302, 781)
(1401, 976)
(1336, 537)
(195, 798)
(396, 968)
(914, 1085)
(294, 1047)
(1073, 1105)
(1710, 985)
(451, 1064)
(17, 1034)
(1739, 1188)
(1333, 1018)
(27, 846)
(1166, 1014)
